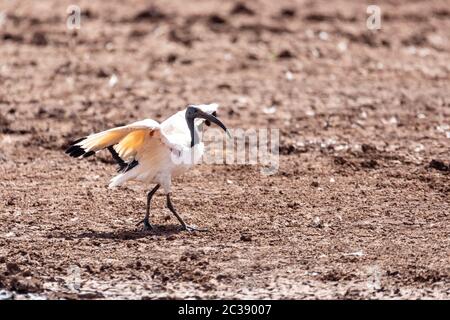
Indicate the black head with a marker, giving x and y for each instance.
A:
(193, 112)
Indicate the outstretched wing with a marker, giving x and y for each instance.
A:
(124, 142)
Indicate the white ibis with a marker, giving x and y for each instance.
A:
(153, 153)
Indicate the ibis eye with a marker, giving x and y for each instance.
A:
(214, 113)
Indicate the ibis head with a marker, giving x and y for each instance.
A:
(192, 113)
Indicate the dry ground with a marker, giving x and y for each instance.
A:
(354, 211)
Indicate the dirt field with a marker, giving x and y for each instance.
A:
(357, 209)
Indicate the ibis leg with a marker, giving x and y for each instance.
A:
(146, 222)
(183, 224)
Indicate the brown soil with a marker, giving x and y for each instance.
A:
(358, 208)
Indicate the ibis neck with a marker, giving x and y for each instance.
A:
(195, 139)
(194, 134)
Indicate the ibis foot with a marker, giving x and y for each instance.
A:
(193, 228)
(147, 226)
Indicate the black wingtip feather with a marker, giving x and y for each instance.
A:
(77, 151)
(79, 140)
(69, 150)
(88, 154)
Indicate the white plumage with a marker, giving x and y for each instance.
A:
(153, 153)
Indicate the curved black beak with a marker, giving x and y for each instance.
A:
(211, 118)
(207, 122)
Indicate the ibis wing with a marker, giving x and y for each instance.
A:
(127, 140)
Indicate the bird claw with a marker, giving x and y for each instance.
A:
(147, 226)
(194, 228)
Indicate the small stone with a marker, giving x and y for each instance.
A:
(316, 223)
(270, 110)
(289, 76)
(113, 80)
(342, 46)
(323, 36)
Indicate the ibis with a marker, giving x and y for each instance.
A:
(153, 153)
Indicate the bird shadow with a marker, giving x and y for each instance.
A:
(158, 230)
